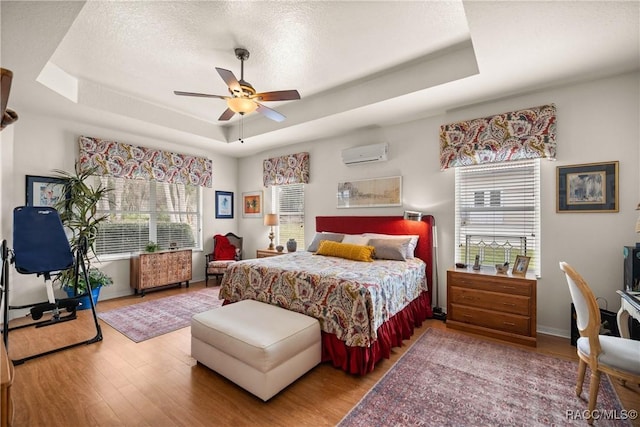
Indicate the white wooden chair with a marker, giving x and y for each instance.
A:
(617, 357)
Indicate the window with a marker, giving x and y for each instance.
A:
(140, 211)
(288, 201)
(498, 213)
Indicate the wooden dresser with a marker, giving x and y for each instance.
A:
(156, 269)
(496, 305)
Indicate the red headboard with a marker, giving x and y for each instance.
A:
(386, 225)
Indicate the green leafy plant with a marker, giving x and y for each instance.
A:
(79, 215)
(151, 246)
(97, 278)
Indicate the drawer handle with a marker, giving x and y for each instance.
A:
(509, 323)
(510, 304)
(508, 287)
(467, 315)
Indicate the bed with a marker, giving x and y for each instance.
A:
(364, 308)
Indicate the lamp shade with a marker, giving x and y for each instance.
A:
(241, 105)
(271, 219)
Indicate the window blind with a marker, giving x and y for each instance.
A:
(141, 211)
(497, 213)
(289, 201)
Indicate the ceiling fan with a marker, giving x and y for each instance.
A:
(244, 99)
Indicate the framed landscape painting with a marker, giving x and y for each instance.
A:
(370, 193)
(591, 187)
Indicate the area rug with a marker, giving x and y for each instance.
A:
(451, 379)
(149, 319)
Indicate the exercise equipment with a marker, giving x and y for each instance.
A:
(41, 247)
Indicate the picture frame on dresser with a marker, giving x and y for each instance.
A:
(224, 204)
(521, 265)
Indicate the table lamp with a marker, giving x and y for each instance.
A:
(271, 220)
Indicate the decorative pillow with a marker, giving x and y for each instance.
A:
(355, 239)
(346, 251)
(393, 249)
(334, 237)
(412, 243)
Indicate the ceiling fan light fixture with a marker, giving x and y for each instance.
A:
(241, 105)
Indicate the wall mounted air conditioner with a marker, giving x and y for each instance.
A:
(365, 154)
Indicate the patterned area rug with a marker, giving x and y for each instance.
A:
(145, 320)
(450, 379)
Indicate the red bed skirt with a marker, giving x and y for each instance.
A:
(362, 360)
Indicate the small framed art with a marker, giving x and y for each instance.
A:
(591, 187)
(44, 191)
(521, 265)
(252, 204)
(224, 204)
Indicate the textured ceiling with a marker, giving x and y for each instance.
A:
(355, 64)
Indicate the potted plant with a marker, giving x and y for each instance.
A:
(151, 246)
(78, 213)
(97, 279)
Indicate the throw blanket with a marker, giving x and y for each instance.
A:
(223, 250)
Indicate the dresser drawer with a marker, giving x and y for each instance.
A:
(500, 321)
(516, 304)
(494, 283)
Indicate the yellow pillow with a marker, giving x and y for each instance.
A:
(346, 250)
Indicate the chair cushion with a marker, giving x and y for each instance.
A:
(218, 267)
(619, 353)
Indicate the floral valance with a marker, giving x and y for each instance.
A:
(121, 160)
(283, 170)
(517, 135)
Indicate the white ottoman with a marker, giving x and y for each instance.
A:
(260, 347)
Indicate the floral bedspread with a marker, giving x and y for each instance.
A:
(351, 299)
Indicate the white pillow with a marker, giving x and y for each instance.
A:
(355, 239)
(413, 242)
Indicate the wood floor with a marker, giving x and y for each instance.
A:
(157, 383)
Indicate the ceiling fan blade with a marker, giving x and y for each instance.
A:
(278, 95)
(270, 113)
(228, 113)
(229, 79)
(201, 95)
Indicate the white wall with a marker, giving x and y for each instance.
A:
(596, 122)
(42, 143)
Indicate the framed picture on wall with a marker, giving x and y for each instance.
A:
(44, 191)
(591, 187)
(224, 204)
(370, 193)
(252, 204)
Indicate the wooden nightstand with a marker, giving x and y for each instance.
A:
(265, 253)
(496, 305)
